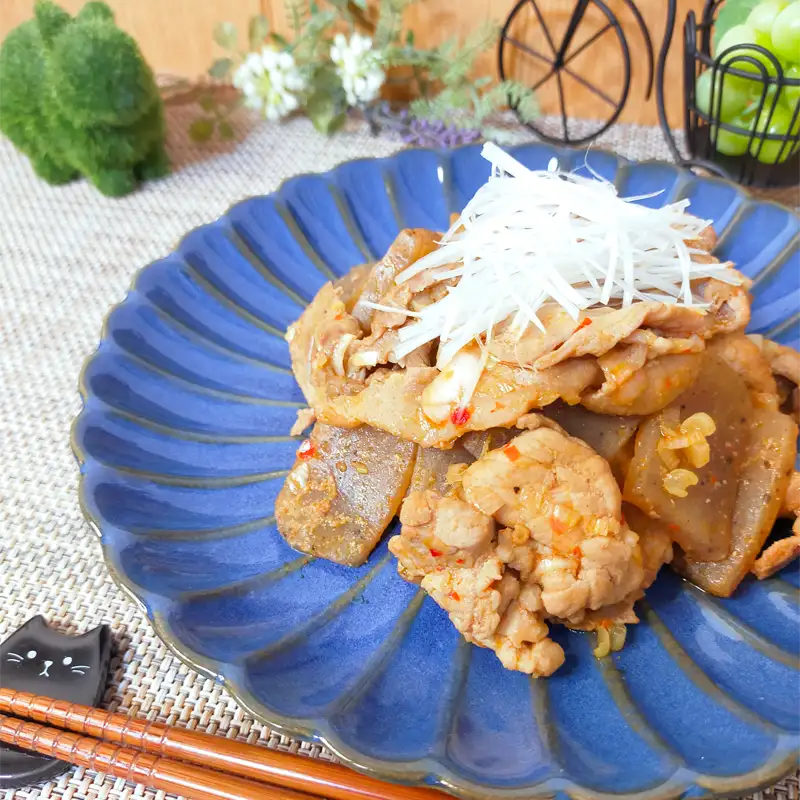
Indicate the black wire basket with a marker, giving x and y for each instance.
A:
(746, 148)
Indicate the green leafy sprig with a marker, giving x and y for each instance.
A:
(441, 76)
(447, 92)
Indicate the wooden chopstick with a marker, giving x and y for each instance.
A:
(154, 772)
(175, 745)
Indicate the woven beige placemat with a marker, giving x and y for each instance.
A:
(67, 254)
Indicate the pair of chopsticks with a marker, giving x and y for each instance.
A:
(196, 765)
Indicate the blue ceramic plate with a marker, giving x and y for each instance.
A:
(184, 445)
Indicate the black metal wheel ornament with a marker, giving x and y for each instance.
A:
(559, 58)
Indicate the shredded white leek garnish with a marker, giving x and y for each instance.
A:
(532, 237)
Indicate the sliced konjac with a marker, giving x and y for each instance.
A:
(700, 522)
(343, 490)
(478, 443)
(763, 483)
(432, 465)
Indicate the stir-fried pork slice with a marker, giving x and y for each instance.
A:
(379, 345)
(611, 437)
(439, 532)
(655, 544)
(778, 555)
(351, 285)
(646, 391)
(333, 326)
(392, 400)
(762, 487)
(746, 358)
(781, 553)
(343, 490)
(706, 241)
(700, 521)
(599, 331)
(536, 533)
(410, 245)
(783, 360)
(318, 343)
(785, 365)
(559, 490)
(525, 350)
(451, 550)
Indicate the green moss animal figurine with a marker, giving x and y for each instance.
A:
(78, 99)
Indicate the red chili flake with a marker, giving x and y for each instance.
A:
(512, 453)
(460, 416)
(714, 480)
(338, 316)
(435, 553)
(498, 406)
(673, 527)
(454, 596)
(606, 623)
(622, 517)
(668, 383)
(582, 324)
(557, 526)
(307, 449)
(576, 552)
(459, 561)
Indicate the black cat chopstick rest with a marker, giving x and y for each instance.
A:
(43, 661)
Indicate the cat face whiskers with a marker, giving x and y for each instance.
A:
(15, 658)
(80, 669)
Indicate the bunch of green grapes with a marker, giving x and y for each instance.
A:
(775, 25)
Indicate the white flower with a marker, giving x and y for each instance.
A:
(270, 81)
(358, 68)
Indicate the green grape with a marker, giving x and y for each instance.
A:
(740, 35)
(763, 15)
(777, 123)
(790, 95)
(787, 98)
(786, 33)
(731, 95)
(763, 39)
(730, 143)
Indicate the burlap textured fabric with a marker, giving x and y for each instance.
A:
(66, 255)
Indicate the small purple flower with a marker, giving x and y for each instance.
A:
(420, 132)
(436, 134)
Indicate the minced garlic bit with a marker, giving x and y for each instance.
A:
(619, 632)
(532, 237)
(298, 478)
(455, 473)
(688, 439)
(678, 481)
(610, 638)
(603, 642)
